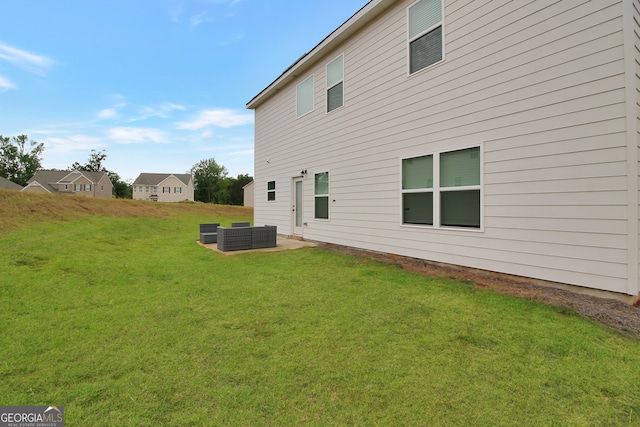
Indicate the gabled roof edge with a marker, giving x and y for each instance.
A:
(367, 13)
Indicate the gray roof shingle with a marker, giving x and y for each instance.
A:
(5, 183)
(157, 178)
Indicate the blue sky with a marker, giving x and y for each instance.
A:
(157, 84)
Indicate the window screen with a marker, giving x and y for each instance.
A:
(304, 103)
(425, 34)
(335, 83)
(321, 191)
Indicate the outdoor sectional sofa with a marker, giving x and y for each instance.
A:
(245, 237)
(209, 233)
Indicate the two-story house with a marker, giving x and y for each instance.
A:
(81, 183)
(499, 135)
(163, 187)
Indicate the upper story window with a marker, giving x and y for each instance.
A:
(304, 97)
(443, 189)
(335, 83)
(321, 195)
(271, 191)
(426, 46)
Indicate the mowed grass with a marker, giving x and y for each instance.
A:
(119, 316)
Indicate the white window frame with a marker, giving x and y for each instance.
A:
(313, 97)
(166, 190)
(422, 33)
(177, 190)
(437, 190)
(328, 88)
(327, 195)
(271, 191)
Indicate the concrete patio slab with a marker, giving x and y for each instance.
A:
(282, 244)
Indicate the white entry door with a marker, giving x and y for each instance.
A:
(296, 214)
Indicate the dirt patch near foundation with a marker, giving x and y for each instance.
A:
(612, 313)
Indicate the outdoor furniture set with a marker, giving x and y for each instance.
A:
(241, 236)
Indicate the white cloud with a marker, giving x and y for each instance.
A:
(129, 135)
(162, 110)
(71, 143)
(5, 84)
(108, 113)
(21, 58)
(242, 153)
(200, 18)
(222, 118)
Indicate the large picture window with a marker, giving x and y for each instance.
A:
(304, 97)
(321, 195)
(426, 45)
(335, 83)
(443, 189)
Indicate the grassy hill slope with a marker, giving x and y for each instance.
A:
(23, 209)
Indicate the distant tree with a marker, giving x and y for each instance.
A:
(19, 158)
(94, 164)
(236, 194)
(209, 181)
(121, 189)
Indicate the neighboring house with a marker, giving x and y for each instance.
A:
(9, 185)
(81, 183)
(163, 187)
(247, 194)
(499, 135)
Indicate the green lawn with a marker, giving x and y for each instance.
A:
(126, 321)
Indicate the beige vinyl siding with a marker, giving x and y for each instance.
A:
(172, 182)
(633, 34)
(540, 85)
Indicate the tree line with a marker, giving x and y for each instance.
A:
(20, 159)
